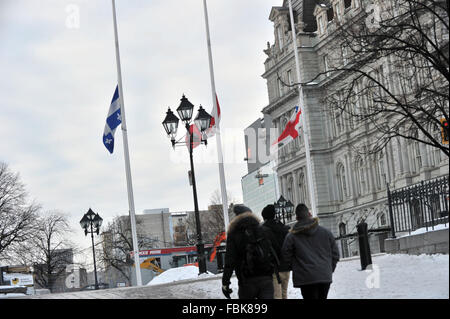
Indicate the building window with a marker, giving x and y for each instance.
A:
(289, 77)
(382, 219)
(417, 156)
(321, 25)
(330, 14)
(338, 120)
(380, 171)
(347, 4)
(361, 176)
(326, 67)
(342, 181)
(280, 37)
(302, 188)
(280, 88)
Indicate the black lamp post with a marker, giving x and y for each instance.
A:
(90, 221)
(202, 121)
(284, 209)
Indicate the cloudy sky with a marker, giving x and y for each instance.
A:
(57, 60)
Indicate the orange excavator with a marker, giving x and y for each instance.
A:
(217, 241)
(150, 263)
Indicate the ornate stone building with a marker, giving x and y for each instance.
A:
(349, 186)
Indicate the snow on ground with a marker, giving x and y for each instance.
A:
(424, 230)
(176, 274)
(392, 277)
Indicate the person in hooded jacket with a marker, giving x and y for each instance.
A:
(259, 284)
(279, 231)
(312, 252)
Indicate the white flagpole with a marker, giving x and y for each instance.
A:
(223, 187)
(312, 195)
(127, 157)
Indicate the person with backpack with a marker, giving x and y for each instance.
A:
(279, 232)
(312, 252)
(249, 253)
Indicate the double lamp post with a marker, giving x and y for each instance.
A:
(91, 223)
(202, 123)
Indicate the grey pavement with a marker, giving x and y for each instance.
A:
(183, 289)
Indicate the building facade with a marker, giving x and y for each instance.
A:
(349, 186)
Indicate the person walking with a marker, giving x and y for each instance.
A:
(279, 231)
(249, 253)
(312, 252)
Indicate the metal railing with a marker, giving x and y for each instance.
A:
(422, 205)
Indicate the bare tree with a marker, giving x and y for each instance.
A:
(388, 71)
(49, 250)
(395, 63)
(117, 246)
(212, 221)
(17, 217)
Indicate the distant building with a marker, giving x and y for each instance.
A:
(260, 185)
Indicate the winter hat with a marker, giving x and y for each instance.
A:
(302, 212)
(239, 209)
(268, 212)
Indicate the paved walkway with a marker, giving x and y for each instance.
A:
(190, 290)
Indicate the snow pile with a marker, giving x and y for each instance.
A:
(176, 274)
(424, 230)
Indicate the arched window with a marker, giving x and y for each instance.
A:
(290, 194)
(360, 173)
(380, 171)
(342, 229)
(382, 220)
(302, 188)
(342, 182)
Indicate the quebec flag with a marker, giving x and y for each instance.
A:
(113, 120)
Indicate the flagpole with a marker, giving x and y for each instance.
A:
(215, 115)
(303, 117)
(127, 157)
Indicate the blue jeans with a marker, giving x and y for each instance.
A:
(260, 287)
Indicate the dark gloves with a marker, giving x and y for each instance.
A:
(227, 291)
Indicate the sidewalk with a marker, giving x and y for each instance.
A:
(392, 277)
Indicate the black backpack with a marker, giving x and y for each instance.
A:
(260, 257)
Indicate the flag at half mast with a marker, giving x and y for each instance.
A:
(113, 120)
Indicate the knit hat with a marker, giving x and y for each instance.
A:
(302, 212)
(268, 212)
(239, 209)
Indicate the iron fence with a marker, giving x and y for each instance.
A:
(422, 205)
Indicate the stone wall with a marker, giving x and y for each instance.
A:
(432, 242)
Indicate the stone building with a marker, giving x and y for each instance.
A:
(349, 186)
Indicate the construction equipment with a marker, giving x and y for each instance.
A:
(217, 241)
(151, 263)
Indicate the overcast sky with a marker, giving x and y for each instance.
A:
(57, 61)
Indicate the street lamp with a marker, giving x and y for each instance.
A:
(89, 222)
(202, 121)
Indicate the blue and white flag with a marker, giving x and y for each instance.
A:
(113, 120)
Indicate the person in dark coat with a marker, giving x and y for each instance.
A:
(279, 231)
(259, 285)
(312, 252)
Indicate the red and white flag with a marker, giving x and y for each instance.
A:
(214, 123)
(290, 132)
